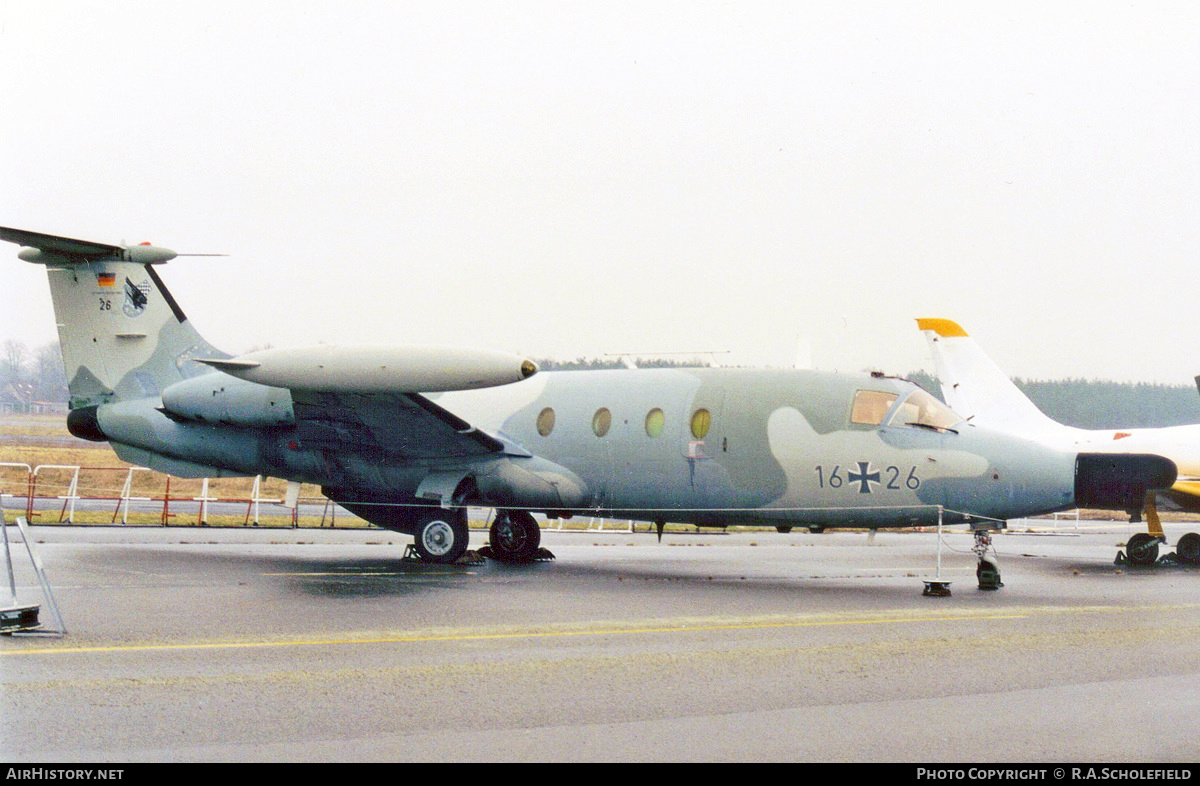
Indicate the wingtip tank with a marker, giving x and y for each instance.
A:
(383, 369)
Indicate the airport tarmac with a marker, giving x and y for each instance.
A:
(310, 645)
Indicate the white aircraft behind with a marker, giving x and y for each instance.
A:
(975, 387)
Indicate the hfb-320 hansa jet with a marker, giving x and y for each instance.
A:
(407, 437)
(975, 387)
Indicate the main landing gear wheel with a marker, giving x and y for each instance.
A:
(1187, 550)
(441, 535)
(1142, 549)
(515, 536)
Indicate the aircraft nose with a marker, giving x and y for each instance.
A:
(1119, 481)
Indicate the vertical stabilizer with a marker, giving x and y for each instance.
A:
(975, 387)
(122, 334)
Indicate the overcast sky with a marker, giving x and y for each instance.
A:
(565, 179)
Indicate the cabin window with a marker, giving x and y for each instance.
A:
(701, 420)
(601, 421)
(923, 409)
(655, 420)
(545, 422)
(870, 407)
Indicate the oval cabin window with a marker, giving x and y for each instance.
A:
(701, 420)
(601, 421)
(655, 420)
(545, 422)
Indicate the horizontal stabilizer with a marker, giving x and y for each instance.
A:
(60, 245)
(55, 250)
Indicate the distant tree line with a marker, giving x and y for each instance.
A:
(599, 364)
(38, 370)
(1099, 403)
(1094, 403)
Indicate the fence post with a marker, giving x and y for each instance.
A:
(126, 492)
(291, 499)
(28, 474)
(124, 500)
(72, 496)
(29, 497)
(255, 499)
(204, 499)
(166, 514)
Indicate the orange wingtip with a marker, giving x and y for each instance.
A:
(943, 327)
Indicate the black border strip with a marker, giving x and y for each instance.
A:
(162, 288)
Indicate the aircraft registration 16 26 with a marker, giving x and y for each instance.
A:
(408, 436)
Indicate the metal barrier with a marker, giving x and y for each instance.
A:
(73, 484)
(77, 485)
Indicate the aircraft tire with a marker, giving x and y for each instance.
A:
(783, 530)
(514, 536)
(442, 535)
(1142, 549)
(1187, 550)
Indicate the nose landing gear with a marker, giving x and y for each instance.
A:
(987, 572)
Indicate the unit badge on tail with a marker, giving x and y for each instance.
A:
(135, 298)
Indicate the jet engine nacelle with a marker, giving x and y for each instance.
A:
(220, 398)
(1120, 481)
(369, 369)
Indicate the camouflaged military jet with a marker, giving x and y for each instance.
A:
(407, 437)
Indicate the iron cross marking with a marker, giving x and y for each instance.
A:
(863, 477)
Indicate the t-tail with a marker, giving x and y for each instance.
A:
(123, 336)
(976, 388)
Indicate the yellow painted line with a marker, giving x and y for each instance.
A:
(499, 636)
